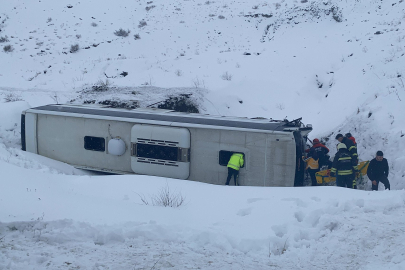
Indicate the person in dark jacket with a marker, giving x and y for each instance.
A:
(318, 150)
(350, 137)
(343, 167)
(378, 171)
(351, 147)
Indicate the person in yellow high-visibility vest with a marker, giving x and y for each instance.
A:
(235, 163)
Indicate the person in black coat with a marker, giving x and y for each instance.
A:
(319, 150)
(378, 171)
(343, 168)
(351, 147)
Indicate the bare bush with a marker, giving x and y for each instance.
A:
(336, 14)
(122, 33)
(3, 39)
(142, 24)
(280, 106)
(74, 48)
(221, 17)
(101, 86)
(94, 24)
(165, 198)
(255, 7)
(49, 20)
(198, 83)
(178, 72)
(226, 76)
(12, 97)
(8, 48)
(137, 36)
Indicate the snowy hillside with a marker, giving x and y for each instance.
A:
(338, 64)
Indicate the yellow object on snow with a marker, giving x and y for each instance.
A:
(322, 176)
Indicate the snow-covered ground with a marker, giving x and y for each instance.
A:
(99, 222)
(338, 64)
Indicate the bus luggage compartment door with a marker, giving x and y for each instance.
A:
(160, 151)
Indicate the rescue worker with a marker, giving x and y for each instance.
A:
(378, 171)
(343, 167)
(321, 151)
(350, 137)
(235, 163)
(350, 147)
(312, 167)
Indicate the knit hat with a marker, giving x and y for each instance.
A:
(338, 136)
(316, 140)
(380, 153)
(341, 145)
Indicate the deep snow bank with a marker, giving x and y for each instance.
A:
(49, 221)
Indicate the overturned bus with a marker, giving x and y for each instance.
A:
(167, 143)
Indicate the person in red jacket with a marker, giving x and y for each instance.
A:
(350, 137)
(318, 150)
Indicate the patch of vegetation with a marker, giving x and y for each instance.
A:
(11, 97)
(122, 33)
(101, 86)
(74, 48)
(120, 104)
(150, 7)
(131, 104)
(165, 198)
(226, 76)
(4, 39)
(142, 24)
(181, 103)
(8, 48)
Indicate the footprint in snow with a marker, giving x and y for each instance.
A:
(252, 200)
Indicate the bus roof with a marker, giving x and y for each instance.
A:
(163, 115)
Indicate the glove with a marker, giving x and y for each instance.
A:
(357, 174)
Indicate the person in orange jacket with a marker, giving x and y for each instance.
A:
(312, 166)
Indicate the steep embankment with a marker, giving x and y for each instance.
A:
(338, 64)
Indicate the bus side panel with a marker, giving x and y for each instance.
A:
(269, 158)
(63, 138)
(31, 142)
(280, 160)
